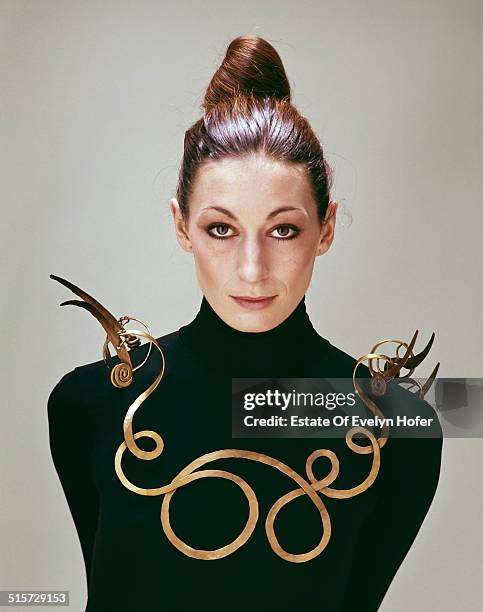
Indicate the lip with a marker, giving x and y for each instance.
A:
(251, 303)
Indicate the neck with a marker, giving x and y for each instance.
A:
(274, 352)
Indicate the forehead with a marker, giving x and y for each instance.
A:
(250, 184)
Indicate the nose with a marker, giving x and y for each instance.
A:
(252, 261)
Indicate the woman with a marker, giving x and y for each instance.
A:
(253, 207)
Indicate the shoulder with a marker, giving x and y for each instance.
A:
(417, 435)
(92, 379)
(415, 445)
(413, 416)
(64, 390)
(398, 399)
(62, 406)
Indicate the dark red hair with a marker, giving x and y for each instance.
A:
(247, 110)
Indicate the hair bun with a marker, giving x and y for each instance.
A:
(251, 66)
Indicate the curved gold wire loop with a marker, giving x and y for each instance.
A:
(127, 424)
(121, 376)
(130, 318)
(381, 441)
(126, 340)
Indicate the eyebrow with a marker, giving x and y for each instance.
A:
(269, 216)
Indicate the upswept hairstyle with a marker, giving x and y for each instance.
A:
(247, 110)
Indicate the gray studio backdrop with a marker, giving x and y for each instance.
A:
(96, 96)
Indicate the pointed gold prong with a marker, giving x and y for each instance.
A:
(108, 321)
(414, 361)
(395, 369)
(427, 385)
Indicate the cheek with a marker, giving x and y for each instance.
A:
(299, 261)
(211, 267)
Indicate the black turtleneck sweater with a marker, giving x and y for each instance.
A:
(131, 564)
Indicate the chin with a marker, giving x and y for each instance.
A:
(255, 322)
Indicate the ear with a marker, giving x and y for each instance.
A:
(328, 228)
(180, 226)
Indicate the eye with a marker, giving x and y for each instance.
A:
(284, 236)
(223, 228)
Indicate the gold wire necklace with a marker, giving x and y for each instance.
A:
(121, 376)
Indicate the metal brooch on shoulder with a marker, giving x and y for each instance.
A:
(121, 376)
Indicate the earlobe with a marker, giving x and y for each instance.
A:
(180, 226)
(327, 233)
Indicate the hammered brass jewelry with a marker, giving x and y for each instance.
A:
(121, 376)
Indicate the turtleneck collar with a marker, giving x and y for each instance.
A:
(276, 352)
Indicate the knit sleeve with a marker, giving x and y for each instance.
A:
(411, 475)
(68, 439)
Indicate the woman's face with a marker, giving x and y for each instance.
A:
(254, 232)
